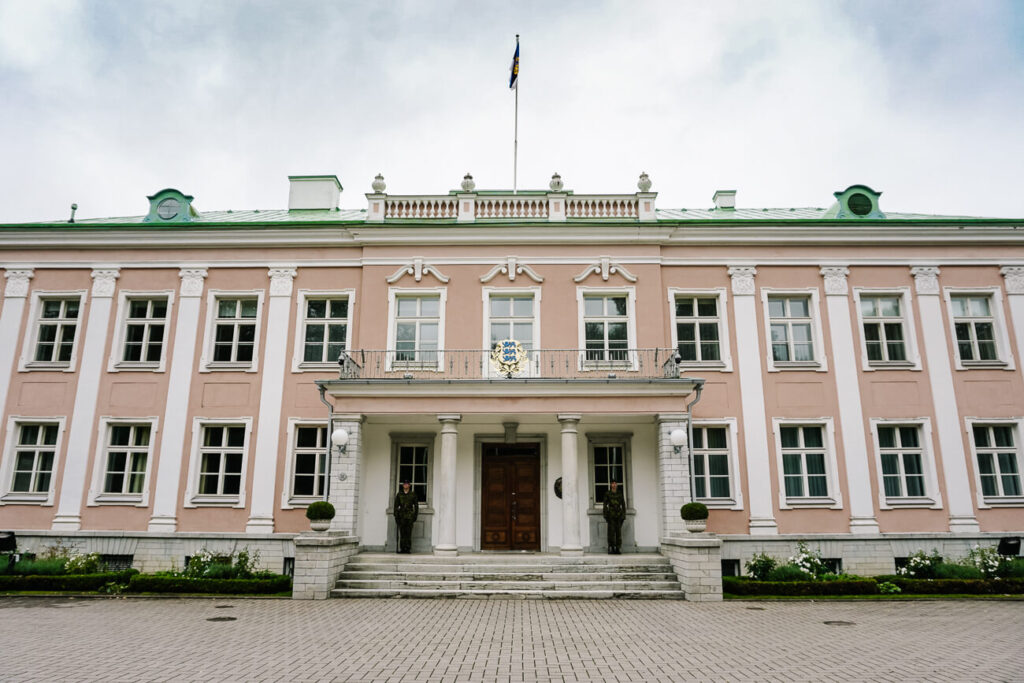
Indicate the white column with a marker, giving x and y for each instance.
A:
(268, 432)
(73, 483)
(948, 425)
(851, 413)
(15, 294)
(673, 474)
(755, 431)
(346, 473)
(444, 492)
(179, 382)
(1014, 282)
(570, 486)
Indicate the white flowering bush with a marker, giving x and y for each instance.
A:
(79, 563)
(206, 564)
(920, 566)
(808, 561)
(986, 560)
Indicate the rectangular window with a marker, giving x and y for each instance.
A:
(511, 317)
(325, 329)
(900, 451)
(883, 328)
(417, 323)
(711, 462)
(803, 461)
(34, 458)
(609, 465)
(606, 328)
(998, 460)
(698, 335)
(126, 459)
(309, 458)
(56, 328)
(145, 325)
(974, 323)
(221, 453)
(413, 460)
(791, 329)
(234, 330)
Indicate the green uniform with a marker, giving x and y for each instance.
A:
(407, 508)
(614, 513)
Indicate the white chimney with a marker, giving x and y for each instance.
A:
(724, 199)
(313, 192)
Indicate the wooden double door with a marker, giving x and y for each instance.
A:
(510, 497)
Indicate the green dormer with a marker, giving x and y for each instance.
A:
(170, 206)
(856, 201)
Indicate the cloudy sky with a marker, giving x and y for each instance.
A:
(105, 102)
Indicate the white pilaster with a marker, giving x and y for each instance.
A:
(179, 382)
(755, 431)
(851, 413)
(444, 492)
(1014, 282)
(15, 293)
(268, 433)
(947, 416)
(346, 474)
(673, 474)
(73, 483)
(571, 544)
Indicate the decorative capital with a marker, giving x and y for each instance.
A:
(835, 280)
(17, 282)
(605, 267)
(1013, 279)
(926, 279)
(281, 281)
(192, 281)
(742, 280)
(104, 281)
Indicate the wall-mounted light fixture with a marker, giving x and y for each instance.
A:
(339, 439)
(678, 438)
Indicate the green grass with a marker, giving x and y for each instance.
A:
(889, 597)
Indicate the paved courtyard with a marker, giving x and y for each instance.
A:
(507, 640)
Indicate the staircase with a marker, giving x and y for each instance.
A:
(387, 575)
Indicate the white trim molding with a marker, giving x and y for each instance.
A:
(533, 292)
(913, 351)
(193, 498)
(834, 499)
(1017, 425)
(632, 362)
(735, 502)
(932, 497)
(298, 352)
(395, 293)
(206, 363)
(289, 501)
(28, 347)
(605, 268)
(1004, 352)
(9, 497)
(96, 494)
(114, 362)
(725, 351)
(512, 267)
(820, 362)
(417, 268)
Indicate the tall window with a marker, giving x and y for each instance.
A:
(711, 462)
(606, 327)
(235, 330)
(998, 461)
(512, 317)
(55, 330)
(609, 465)
(697, 329)
(883, 328)
(220, 460)
(310, 461)
(975, 328)
(145, 324)
(791, 329)
(417, 321)
(326, 329)
(34, 458)
(127, 456)
(902, 461)
(803, 461)
(412, 467)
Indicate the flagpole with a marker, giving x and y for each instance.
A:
(515, 135)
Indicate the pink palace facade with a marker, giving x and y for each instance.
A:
(841, 375)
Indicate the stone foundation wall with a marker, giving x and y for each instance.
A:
(697, 561)
(319, 559)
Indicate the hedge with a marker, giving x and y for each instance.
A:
(63, 582)
(957, 586)
(737, 586)
(149, 583)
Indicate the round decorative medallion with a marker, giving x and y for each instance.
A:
(509, 358)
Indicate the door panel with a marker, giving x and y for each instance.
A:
(510, 505)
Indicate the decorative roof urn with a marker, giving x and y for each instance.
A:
(467, 183)
(378, 184)
(644, 183)
(556, 183)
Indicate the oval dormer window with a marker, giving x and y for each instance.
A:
(859, 203)
(168, 208)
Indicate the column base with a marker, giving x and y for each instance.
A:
(162, 523)
(260, 525)
(571, 551)
(446, 550)
(764, 526)
(864, 525)
(966, 524)
(67, 523)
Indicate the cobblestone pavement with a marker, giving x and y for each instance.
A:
(507, 640)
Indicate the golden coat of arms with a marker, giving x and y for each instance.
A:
(509, 358)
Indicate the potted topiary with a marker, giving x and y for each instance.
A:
(320, 514)
(695, 516)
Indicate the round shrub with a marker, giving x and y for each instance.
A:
(320, 509)
(692, 511)
(789, 572)
(760, 566)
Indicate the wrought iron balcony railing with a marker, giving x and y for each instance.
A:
(508, 363)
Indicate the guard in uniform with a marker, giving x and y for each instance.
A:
(406, 510)
(615, 514)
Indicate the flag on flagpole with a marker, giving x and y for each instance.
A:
(513, 79)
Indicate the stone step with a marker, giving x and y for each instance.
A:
(469, 575)
(512, 559)
(507, 568)
(400, 583)
(524, 594)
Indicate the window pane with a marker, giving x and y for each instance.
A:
(501, 306)
(407, 308)
(617, 305)
(798, 308)
(226, 308)
(867, 307)
(887, 437)
(815, 463)
(776, 308)
(430, 306)
(522, 306)
(790, 436)
(890, 306)
(813, 437)
(792, 463)
(817, 486)
(959, 306)
(249, 308)
(716, 437)
(316, 308)
(236, 437)
(719, 487)
(979, 306)
(890, 463)
(908, 437)
(707, 307)
(718, 464)
(1002, 436)
(684, 308)
(306, 437)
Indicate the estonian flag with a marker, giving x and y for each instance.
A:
(513, 79)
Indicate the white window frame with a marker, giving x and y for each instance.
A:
(1004, 351)
(911, 347)
(288, 500)
(300, 365)
(8, 496)
(114, 363)
(424, 439)
(631, 362)
(96, 494)
(486, 294)
(1015, 423)
(735, 501)
(395, 293)
(28, 349)
(834, 500)
(932, 497)
(722, 294)
(623, 439)
(820, 362)
(193, 498)
(206, 363)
